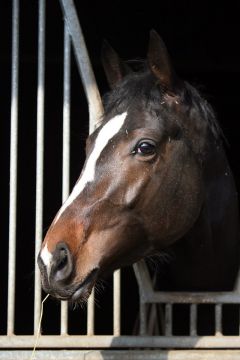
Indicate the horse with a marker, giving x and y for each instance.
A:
(156, 179)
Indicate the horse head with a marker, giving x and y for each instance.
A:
(140, 189)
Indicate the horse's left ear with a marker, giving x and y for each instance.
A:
(115, 69)
(159, 61)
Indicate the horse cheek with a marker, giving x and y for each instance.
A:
(176, 200)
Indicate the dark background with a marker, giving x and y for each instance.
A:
(203, 41)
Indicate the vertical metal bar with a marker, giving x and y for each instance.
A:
(39, 157)
(237, 283)
(143, 318)
(66, 146)
(90, 314)
(153, 323)
(13, 169)
(89, 83)
(117, 302)
(168, 320)
(193, 319)
(238, 319)
(218, 319)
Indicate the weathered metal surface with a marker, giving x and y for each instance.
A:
(109, 341)
(123, 355)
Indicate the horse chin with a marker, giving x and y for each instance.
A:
(83, 290)
(77, 292)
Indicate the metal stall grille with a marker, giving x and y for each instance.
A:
(50, 344)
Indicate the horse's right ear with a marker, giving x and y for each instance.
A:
(115, 69)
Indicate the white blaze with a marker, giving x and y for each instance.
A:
(46, 256)
(107, 132)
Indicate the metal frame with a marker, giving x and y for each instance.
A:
(73, 37)
(149, 296)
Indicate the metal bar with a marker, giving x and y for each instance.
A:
(13, 170)
(237, 283)
(239, 320)
(39, 157)
(105, 341)
(193, 319)
(150, 296)
(168, 320)
(66, 114)
(66, 146)
(90, 314)
(143, 319)
(83, 62)
(153, 327)
(123, 354)
(92, 94)
(143, 279)
(218, 319)
(192, 298)
(64, 318)
(117, 302)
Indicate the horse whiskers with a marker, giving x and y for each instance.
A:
(165, 257)
(100, 286)
(97, 302)
(82, 304)
(98, 289)
(159, 259)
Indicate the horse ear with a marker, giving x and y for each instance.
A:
(115, 69)
(159, 61)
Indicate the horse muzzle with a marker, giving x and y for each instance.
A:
(58, 274)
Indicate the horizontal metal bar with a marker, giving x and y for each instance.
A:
(102, 341)
(123, 355)
(192, 298)
(148, 295)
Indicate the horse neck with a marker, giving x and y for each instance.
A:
(207, 257)
(220, 194)
(218, 221)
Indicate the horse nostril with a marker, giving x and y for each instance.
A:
(63, 258)
(62, 265)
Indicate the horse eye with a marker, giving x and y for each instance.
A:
(145, 148)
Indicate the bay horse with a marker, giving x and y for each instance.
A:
(155, 178)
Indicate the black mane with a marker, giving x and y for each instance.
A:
(142, 86)
(195, 100)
